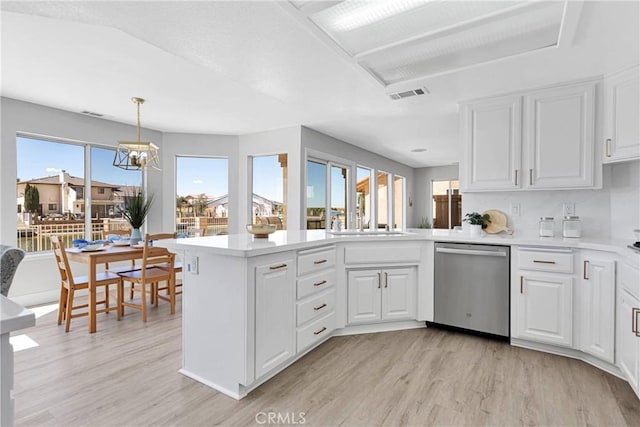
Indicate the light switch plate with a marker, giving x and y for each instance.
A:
(192, 265)
(568, 209)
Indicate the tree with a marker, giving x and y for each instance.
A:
(201, 204)
(31, 198)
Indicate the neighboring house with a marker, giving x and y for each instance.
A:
(63, 193)
(219, 206)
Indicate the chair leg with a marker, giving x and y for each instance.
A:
(172, 294)
(119, 299)
(106, 297)
(62, 306)
(143, 301)
(69, 306)
(131, 291)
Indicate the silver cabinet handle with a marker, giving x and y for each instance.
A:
(320, 307)
(324, 328)
(585, 268)
(276, 267)
(320, 283)
(386, 279)
(322, 261)
(379, 279)
(543, 262)
(530, 176)
(634, 321)
(515, 173)
(608, 147)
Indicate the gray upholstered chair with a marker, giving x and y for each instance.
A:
(10, 257)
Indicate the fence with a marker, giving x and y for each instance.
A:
(35, 237)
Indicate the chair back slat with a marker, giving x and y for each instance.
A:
(154, 255)
(61, 260)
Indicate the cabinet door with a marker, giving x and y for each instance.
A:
(399, 294)
(628, 345)
(622, 109)
(275, 315)
(544, 309)
(364, 295)
(597, 308)
(558, 137)
(492, 141)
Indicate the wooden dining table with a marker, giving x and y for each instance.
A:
(105, 254)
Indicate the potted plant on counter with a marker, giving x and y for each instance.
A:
(477, 222)
(135, 212)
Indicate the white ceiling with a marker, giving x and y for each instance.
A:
(243, 67)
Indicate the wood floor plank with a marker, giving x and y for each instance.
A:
(127, 375)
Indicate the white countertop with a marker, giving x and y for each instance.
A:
(13, 316)
(245, 245)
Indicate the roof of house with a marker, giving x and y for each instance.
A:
(69, 179)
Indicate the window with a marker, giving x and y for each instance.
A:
(101, 190)
(339, 192)
(398, 201)
(202, 199)
(52, 174)
(316, 194)
(447, 204)
(269, 188)
(363, 197)
(383, 199)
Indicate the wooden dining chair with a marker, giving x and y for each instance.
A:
(157, 266)
(69, 284)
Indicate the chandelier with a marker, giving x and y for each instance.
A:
(136, 155)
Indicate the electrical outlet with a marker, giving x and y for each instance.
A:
(192, 265)
(568, 209)
(515, 209)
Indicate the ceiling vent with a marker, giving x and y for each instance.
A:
(408, 93)
(91, 113)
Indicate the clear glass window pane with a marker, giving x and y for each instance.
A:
(202, 202)
(447, 204)
(363, 197)
(270, 190)
(316, 195)
(52, 171)
(109, 188)
(339, 195)
(383, 199)
(398, 201)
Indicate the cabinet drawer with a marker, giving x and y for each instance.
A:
(316, 331)
(316, 261)
(316, 282)
(556, 262)
(381, 254)
(316, 306)
(630, 279)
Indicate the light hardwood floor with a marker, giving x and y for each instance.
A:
(126, 375)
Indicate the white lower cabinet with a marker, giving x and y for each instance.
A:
(275, 296)
(381, 295)
(596, 299)
(628, 325)
(542, 300)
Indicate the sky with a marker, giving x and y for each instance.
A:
(317, 187)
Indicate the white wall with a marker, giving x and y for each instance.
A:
(625, 199)
(180, 144)
(317, 141)
(423, 204)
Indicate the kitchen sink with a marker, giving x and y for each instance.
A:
(367, 233)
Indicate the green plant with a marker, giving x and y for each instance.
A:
(475, 218)
(31, 198)
(136, 209)
(424, 223)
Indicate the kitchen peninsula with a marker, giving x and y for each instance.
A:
(251, 307)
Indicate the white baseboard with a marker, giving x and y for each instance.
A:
(38, 298)
(378, 327)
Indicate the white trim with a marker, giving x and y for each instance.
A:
(379, 327)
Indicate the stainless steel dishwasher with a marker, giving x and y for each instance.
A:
(472, 287)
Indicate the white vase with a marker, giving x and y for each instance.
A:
(475, 230)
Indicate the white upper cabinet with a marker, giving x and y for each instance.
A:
(492, 131)
(558, 133)
(542, 139)
(622, 116)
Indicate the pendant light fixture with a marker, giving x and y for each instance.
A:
(136, 155)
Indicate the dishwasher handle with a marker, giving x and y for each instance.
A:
(471, 252)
